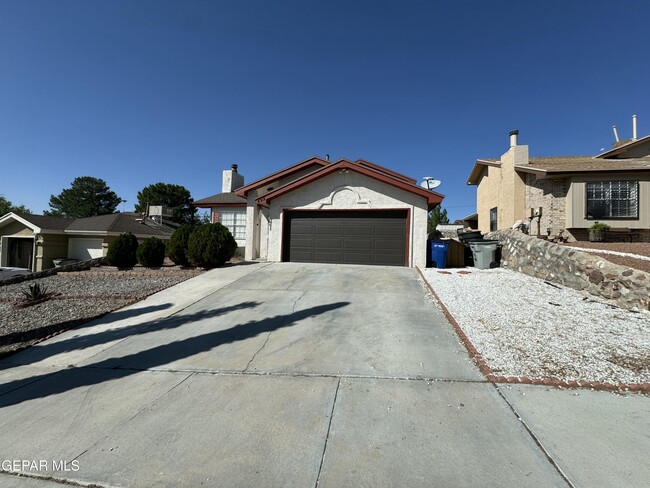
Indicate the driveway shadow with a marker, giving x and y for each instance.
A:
(43, 351)
(54, 383)
(14, 337)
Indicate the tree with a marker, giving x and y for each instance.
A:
(6, 206)
(437, 216)
(177, 246)
(175, 197)
(122, 251)
(86, 197)
(210, 245)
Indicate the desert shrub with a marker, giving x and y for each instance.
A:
(121, 252)
(210, 245)
(36, 292)
(151, 252)
(177, 245)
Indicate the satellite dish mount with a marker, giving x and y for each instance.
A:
(430, 183)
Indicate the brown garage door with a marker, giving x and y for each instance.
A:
(346, 237)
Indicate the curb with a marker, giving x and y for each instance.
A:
(485, 369)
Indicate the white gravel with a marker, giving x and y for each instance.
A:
(524, 326)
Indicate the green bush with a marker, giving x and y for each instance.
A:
(600, 226)
(210, 245)
(151, 252)
(121, 252)
(177, 245)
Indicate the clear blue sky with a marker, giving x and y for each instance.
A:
(139, 92)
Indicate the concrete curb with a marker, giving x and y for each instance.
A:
(485, 369)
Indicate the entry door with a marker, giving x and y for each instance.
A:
(20, 253)
(346, 237)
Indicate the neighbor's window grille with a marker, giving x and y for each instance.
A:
(493, 219)
(613, 199)
(235, 220)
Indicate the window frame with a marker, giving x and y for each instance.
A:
(235, 225)
(494, 223)
(609, 217)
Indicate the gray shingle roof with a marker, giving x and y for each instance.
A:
(113, 223)
(227, 198)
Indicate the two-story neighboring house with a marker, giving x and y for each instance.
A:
(565, 195)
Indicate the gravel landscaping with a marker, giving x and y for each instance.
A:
(525, 327)
(80, 297)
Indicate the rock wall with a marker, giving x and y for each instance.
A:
(78, 266)
(625, 287)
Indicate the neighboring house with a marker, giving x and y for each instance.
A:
(565, 195)
(34, 241)
(328, 212)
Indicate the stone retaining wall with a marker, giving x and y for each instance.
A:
(79, 266)
(623, 286)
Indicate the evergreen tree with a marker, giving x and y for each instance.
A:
(86, 197)
(175, 197)
(437, 216)
(6, 206)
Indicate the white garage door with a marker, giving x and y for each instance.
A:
(84, 249)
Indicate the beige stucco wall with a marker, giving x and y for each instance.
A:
(502, 187)
(16, 229)
(351, 191)
(577, 209)
(53, 246)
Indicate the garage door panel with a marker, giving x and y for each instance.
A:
(349, 237)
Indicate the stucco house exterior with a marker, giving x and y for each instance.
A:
(34, 241)
(350, 212)
(565, 195)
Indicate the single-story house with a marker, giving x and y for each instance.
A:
(564, 196)
(350, 212)
(34, 241)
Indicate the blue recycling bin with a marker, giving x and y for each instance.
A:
(437, 254)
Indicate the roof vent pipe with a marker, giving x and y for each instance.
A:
(634, 127)
(234, 168)
(615, 133)
(514, 137)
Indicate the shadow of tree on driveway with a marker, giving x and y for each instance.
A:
(79, 342)
(41, 386)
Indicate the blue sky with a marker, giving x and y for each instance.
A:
(139, 92)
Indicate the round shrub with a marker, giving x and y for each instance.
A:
(151, 252)
(121, 252)
(210, 245)
(177, 245)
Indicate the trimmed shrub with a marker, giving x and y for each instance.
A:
(210, 245)
(121, 252)
(177, 245)
(151, 252)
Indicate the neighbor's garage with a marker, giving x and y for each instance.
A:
(84, 249)
(346, 237)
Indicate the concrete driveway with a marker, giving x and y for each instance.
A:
(294, 375)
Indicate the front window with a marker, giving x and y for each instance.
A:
(613, 200)
(235, 220)
(493, 219)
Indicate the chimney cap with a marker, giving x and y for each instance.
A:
(514, 132)
(234, 167)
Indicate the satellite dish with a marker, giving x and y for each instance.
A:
(429, 183)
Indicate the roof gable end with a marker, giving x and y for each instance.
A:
(283, 173)
(433, 198)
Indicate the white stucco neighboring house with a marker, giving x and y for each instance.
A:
(350, 212)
